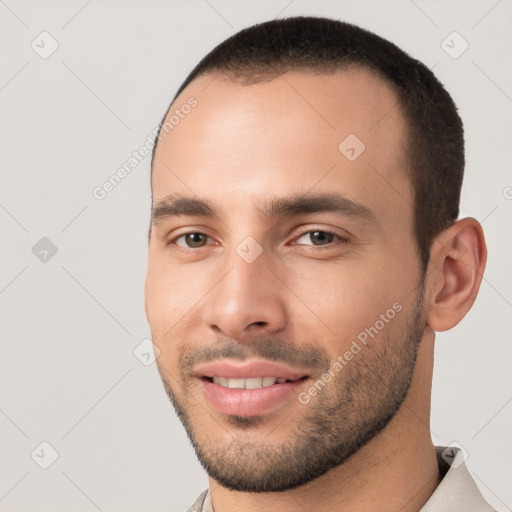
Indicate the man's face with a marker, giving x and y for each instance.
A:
(277, 253)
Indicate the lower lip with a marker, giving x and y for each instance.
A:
(250, 402)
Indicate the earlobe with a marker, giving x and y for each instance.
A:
(457, 263)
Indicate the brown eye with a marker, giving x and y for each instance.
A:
(321, 237)
(317, 238)
(192, 240)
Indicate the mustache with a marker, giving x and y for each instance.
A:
(307, 355)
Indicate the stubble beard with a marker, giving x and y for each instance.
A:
(342, 418)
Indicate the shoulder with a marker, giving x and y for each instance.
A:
(198, 504)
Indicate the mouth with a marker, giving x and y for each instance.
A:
(249, 388)
(250, 383)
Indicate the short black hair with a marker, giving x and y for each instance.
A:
(435, 145)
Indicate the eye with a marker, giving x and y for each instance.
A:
(318, 237)
(192, 240)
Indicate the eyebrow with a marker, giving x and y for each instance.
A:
(174, 205)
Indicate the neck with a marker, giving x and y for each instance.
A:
(396, 471)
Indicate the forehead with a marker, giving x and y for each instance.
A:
(299, 131)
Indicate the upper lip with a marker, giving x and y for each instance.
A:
(247, 369)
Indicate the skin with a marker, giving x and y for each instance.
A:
(240, 147)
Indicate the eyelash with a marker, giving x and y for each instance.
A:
(338, 238)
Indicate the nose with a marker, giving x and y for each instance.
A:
(247, 301)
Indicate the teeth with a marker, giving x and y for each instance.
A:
(236, 383)
(221, 380)
(252, 383)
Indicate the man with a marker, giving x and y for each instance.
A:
(304, 248)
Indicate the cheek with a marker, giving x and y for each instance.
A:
(171, 289)
(172, 295)
(343, 299)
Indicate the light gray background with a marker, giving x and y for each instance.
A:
(68, 374)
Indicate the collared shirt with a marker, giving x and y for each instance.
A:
(457, 491)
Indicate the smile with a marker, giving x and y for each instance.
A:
(250, 383)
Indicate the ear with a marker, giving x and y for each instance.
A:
(455, 270)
